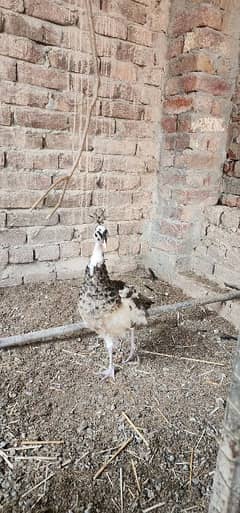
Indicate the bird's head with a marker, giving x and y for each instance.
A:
(101, 234)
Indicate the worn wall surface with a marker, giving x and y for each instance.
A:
(217, 256)
(47, 80)
(200, 79)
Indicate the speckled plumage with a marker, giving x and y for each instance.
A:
(102, 300)
(109, 307)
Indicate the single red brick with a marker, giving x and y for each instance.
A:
(11, 180)
(169, 123)
(130, 128)
(139, 35)
(8, 69)
(120, 109)
(109, 26)
(206, 83)
(21, 48)
(41, 76)
(69, 61)
(19, 94)
(230, 200)
(16, 137)
(32, 29)
(43, 159)
(129, 10)
(5, 115)
(177, 104)
(191, 62)
(12, 237)
(201, 16)
(18, 199)
(51, 11)
(36, 118)
(203, 37)
(21, 254)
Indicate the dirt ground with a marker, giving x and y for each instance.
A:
(59, 422)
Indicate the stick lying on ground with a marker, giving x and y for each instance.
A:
(73, 330)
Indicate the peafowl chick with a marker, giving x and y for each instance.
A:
(109, 307)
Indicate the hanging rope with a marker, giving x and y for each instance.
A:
(66, 179)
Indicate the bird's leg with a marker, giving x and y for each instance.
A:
(132, 346)
(109, 372)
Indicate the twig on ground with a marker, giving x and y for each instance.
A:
(36, 458)
(115, 504)
(131, 492)
(189, 509)
(43, 481)
(135, 428)
(135, 475)
(42, 442)
(105, 465)
(161, 413)
(199, 440)
(183, 358)
(151, 508)
(5, 458)
(191, 467)
(121, 488)
(74, 354)
(45, 484)
(109, 479)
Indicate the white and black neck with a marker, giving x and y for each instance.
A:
(97, 257)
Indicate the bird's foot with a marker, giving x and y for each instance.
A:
(108, 373)
(132, 358)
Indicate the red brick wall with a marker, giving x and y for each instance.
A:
(231, 169)
(157, 142)
(46, 69)
(217, 255)
(201, 73)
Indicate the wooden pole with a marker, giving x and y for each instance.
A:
(73, 330)
(191, 303)
(226, 487)
(57, 333)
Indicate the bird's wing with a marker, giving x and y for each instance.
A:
(141, 301)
